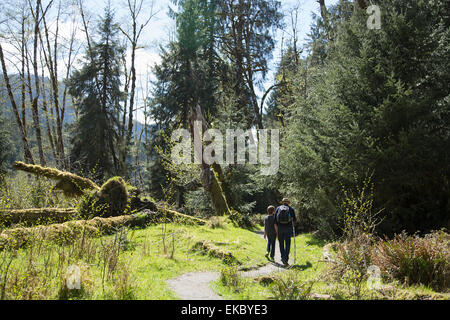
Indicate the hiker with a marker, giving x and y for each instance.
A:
(270, 232)
(284, 224)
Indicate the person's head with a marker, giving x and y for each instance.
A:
(271, 210)
(285, 201)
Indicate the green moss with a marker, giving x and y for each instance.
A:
(110, 200)
(71, 184)
(30, 217)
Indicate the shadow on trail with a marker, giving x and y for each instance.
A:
(301, 267)
(316, 242)
(276, 264)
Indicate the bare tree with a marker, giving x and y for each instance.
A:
(34, 107)
(26, 146)
(50, 52)
(135, 9)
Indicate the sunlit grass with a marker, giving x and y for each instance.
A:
(139, 270)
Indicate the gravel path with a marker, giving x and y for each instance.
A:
(196, 285)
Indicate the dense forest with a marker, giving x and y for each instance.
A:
(224, 149)
(362, 112)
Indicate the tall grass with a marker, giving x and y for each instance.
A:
(22, 191)
(416, 260)
(290, 286)
(39, 270)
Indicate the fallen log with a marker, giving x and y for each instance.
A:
(70, 231)
(45, 216)
(71, 184)
(29, 217)
(212, 250)
(114, 198)
(178, 216)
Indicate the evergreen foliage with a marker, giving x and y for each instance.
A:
(379, 104)
(96, 90)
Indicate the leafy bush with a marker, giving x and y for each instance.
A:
(216, 222)
(20, 191)
(358, 217)
(353, 258)
(257, 219)
(198, 203)
(289, 286)
(353, 255)
(416, 260)
(230, 277)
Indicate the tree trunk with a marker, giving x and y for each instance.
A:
(34, 106)
(324, 14)
(362, 4)
(210, 178)
(26, 146)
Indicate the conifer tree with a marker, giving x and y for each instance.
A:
(377, 107)
(96, 90)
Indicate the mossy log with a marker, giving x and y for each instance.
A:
(212, 250)
(29, 217)
(111, 200)
(70, 231)
(177, 216)
(45, 216)
(71, 184)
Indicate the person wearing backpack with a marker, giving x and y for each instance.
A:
(284, 224)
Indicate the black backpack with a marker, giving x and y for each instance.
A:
(284, 214)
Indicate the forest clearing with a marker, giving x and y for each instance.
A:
(224, 150)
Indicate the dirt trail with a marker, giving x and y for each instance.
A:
(196, 285)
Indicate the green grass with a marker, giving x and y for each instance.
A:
(311, 268)
(308, 267)
(161, 252)
(151, 267)
(141, 269)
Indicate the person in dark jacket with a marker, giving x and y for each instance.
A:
(284, 224)
(270, 233)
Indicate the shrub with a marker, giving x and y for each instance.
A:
(353, 255)
(353, 258)
(358, 217)
(19, 191)
(416, 260)
(198, 203)
(230, 277)
(289, 286)
(216, 222)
